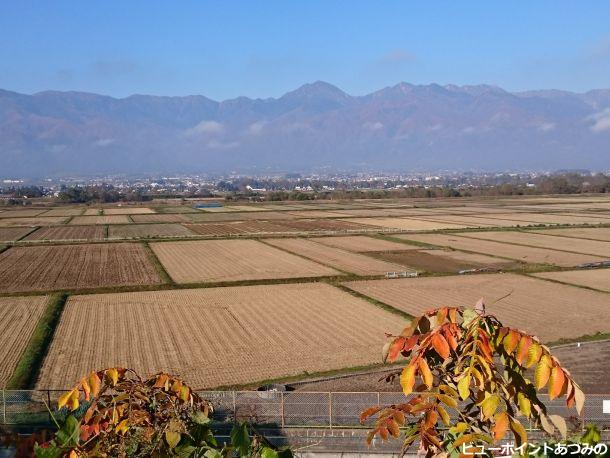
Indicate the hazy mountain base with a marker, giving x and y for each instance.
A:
(401, 127)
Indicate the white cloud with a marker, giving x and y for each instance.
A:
(104, 142)
(601, 121)
(205, 128)
(215, 144)
(373, 125)
(546, 126)
(256, 128)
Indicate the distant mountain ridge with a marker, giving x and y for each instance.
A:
(399, 128)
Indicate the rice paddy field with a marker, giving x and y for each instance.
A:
(18, 318)
(217, 336)
(247, 291)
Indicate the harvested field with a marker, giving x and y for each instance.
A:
(239, 228)
(591, 278)
(176, 209)
(18, 319)
(321, 225)
(443, 261)
(475, 221)
(527, 303)
(68, 233)
(550, 218)
(405, 224)
(246, 208)
(546, 241)
(597, 233)
(344, 260)
(67, 211)
(33, 221)
(60, 267)
(22, 213)
(504, 250)
(111, 219)
(128, 211)
(156, 218)
(92, 211)
(238, 216)
(362, 243)
(218, 336)
(232, 260)
(316, 214)
(10, 234)
(148, 230)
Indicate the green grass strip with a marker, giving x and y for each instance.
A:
(28, 367)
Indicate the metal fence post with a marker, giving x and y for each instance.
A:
(282, 407)
(234, 409)
(3, 407)
(330, 410)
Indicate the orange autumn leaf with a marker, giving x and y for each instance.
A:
(440, 345)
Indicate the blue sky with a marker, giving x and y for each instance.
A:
(224, 49)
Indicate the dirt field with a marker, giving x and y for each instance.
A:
(18, 319)
(33, 221)
(475, 221)
(239, 228)
(148, 230)
(598, 233)
(92, 211)
(232, 260)
(593, 278)
(238, 216)
(405, 224)
(546, 241)
(344, 260)
(67, 211)
(527, 302)
(68, 233)
(10, 234)
(519, 253)
(128, 211)
(218, 336)
(316, 214)
(320, 225)
(156, 218)
(362, 243)
(22, 213)
(176, 209)
(111, 219)
(443, 261)
(59, 267)
(551, 218)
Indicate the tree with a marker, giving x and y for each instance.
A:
(114, 412)
(464, 362)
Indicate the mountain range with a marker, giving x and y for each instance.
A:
(400, 128)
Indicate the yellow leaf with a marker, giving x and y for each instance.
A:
(459, 428)
(579, 397)
(489, 405)
(443, 414)
(500, 425)
(556, 381)
(525, 406)
(185, 392)
(510, 341)
(172, 438)
(122, 427)
(94, 383)
(426, 374)
(407, 379)
(73, 402)
(447, 400)
(113, 375)
(542, 372)
(534, 353)
(519, 432)
(86, 388)
(464, 387)
(63, 399)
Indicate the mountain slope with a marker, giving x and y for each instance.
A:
(404, 127)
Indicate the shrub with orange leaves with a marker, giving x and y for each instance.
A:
(469, 381)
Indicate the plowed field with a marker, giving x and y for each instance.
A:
(594, 278)
(519, 253)
(10, 234)
(217, 336)
(344, 260)
(232, 260)
(148, 230)
(597, 233)
(111, 219)
(405, 224)
(127, 211)
(33, 221)
(68, 233)
(42, 268)
(18, 319)
(549, 310)
(362, 243)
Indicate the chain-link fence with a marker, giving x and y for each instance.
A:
(271, 408)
